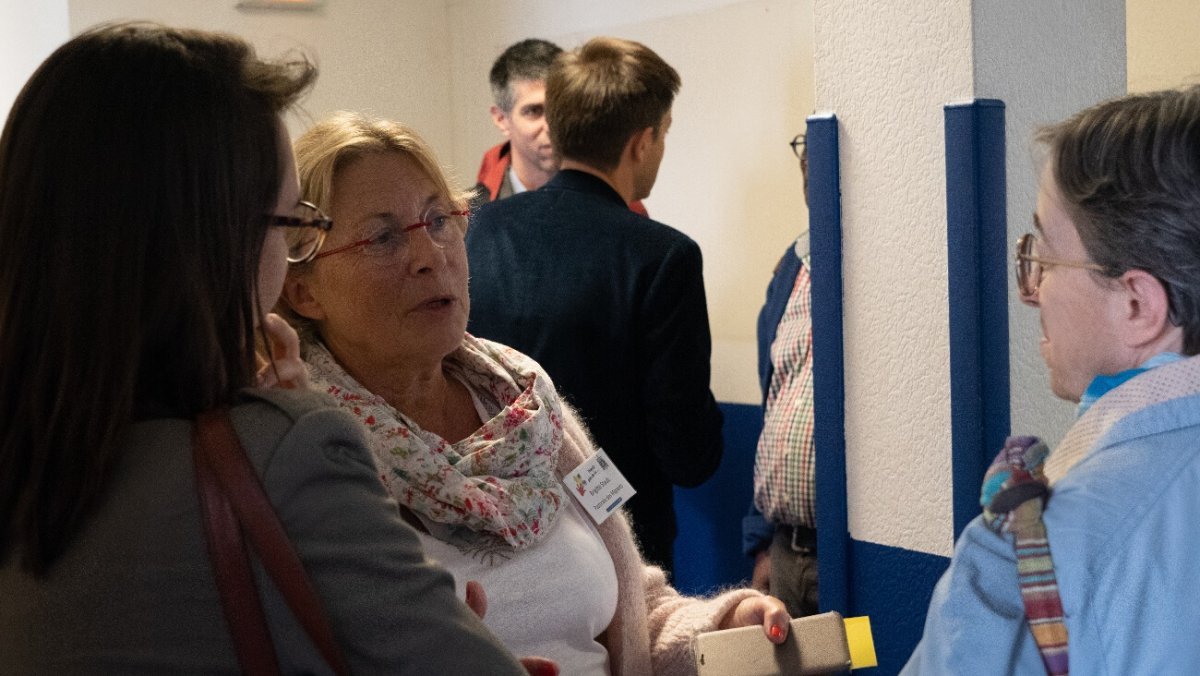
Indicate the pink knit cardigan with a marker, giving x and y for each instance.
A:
(654, 626)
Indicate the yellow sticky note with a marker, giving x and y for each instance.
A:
(860, 641)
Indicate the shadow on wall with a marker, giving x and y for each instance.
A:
(708, 549)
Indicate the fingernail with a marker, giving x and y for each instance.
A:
(776, 632)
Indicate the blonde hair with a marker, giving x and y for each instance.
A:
(326, 148)
(329, 146)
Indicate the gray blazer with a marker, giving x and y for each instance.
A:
(135, 593)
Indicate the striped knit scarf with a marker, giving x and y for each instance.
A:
(1014, 495)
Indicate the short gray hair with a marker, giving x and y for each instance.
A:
(1128, 170)
(527, 60)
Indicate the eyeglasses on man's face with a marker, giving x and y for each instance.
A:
(1030, 265)
(306, 229)
(800, 150)
(389, 238)
(798, 146)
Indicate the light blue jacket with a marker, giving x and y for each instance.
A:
(1124, 531)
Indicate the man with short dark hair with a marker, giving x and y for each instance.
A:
(526, 160)
(611, 303)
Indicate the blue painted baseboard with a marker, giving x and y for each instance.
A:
(708, 549)
(893, 587)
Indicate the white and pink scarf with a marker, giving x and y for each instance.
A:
(499, 480)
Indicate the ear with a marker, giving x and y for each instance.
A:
(297, 293)
(640, 143)
(1145, 309)
(500, 119)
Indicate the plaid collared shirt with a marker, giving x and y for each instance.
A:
(784, 467)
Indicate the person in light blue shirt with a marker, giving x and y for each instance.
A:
(1113, 269)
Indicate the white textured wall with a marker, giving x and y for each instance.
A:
(886, 70)
(729, 179)
(1162, 44)
(28, 33)
(385, 57)
(1045, 61)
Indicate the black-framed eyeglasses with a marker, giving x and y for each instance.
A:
(306, 229)
(1029, 265)
(798, 147)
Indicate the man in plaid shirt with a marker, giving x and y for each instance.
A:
(780, 530)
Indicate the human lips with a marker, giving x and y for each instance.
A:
(435, 303)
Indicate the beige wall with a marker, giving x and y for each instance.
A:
(377, 56)
(28, 33)
(1162, 43)
(729, 179)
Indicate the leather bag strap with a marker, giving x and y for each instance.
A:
(231, 567)
(230, 490)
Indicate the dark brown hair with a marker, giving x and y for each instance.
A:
(135, 168)
(1128, 170)
(601, 94)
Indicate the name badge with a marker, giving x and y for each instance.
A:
(598, 486)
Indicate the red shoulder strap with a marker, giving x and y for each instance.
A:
(236, 510)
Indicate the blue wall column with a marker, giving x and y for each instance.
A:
(829, 391)
(891, 584)
(976, 239)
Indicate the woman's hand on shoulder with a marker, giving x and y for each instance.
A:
(767, 611)
(285, 369)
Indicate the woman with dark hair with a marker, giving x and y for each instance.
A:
(149, 206)
(1085, 556)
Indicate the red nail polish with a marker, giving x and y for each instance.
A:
(776, 632)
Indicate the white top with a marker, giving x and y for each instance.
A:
(517, 186)
(550, 600)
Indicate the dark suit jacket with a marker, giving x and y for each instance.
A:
(612, 305)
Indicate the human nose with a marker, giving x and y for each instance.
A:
(424, 254)
(1030, 299)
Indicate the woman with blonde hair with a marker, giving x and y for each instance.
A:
(470, 436)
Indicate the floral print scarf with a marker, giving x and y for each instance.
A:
(501, 479)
